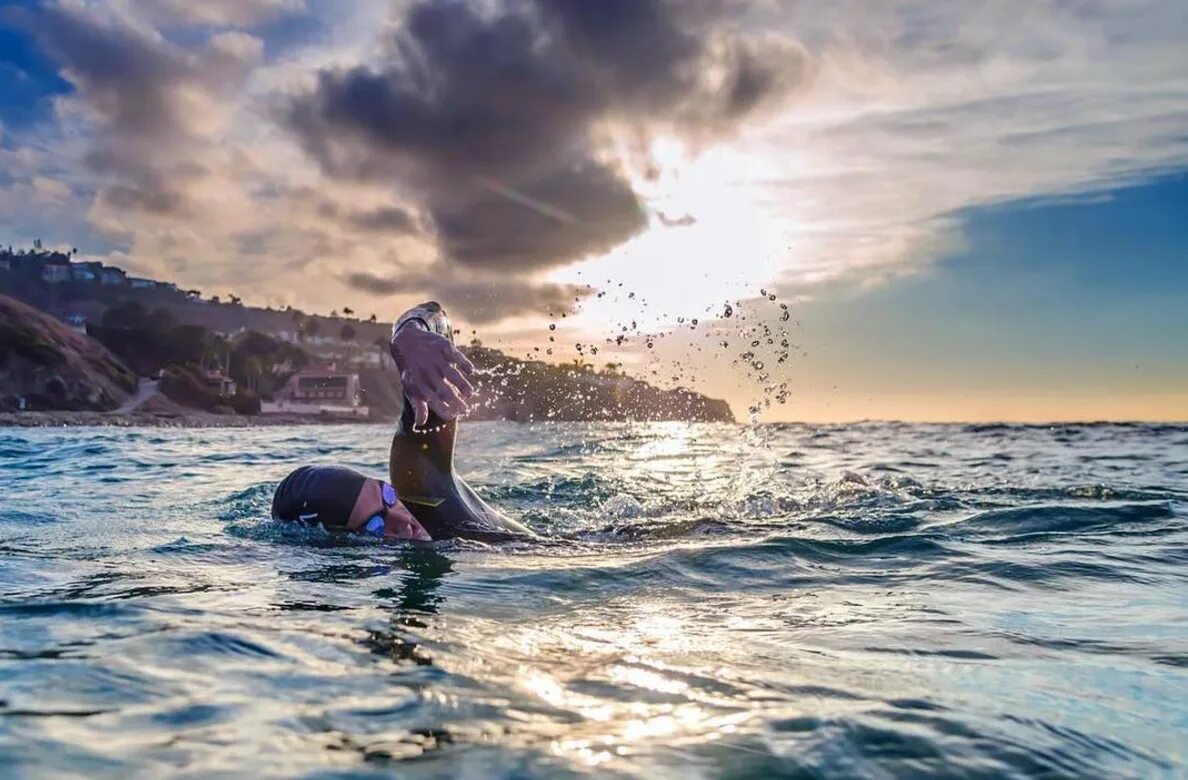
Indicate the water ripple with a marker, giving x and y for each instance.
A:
(869, 600)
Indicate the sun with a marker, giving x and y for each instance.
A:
(709, 239)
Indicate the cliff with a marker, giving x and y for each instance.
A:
(53, 367)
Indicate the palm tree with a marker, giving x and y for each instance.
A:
(347, 311)
(254, 368)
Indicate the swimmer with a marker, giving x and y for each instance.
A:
(423, 500)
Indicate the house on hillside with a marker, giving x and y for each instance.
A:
(138, 283)
(220, 383)
(321, 391)
(77, 323)
(5, 264)
(81, 273)
(326, 386)
(112, 276)
(54, 272)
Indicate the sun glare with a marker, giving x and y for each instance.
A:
(707, 241)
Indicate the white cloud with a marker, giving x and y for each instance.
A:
(211, 12)
(922, 111)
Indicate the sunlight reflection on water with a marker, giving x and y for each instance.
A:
(711, 600)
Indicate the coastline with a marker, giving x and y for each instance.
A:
(194, 419)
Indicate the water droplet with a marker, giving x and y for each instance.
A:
(552, 326)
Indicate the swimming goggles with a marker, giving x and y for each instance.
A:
(375, 525)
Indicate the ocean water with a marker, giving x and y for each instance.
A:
(871, 600)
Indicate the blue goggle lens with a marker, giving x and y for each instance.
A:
(376, 524)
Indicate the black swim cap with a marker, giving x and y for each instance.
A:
(318, 494)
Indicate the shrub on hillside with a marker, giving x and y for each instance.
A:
(182, 385)
(24, 342)
(244, 403)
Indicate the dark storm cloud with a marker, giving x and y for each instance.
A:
(495, 119)
(566, 213)
(386, 219)
(392, 220)
(477, 299)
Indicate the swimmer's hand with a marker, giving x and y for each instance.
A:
(433, 372)
(400, 524)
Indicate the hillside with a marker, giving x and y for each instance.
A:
(511, 389)
(52, 367)
(152, 325)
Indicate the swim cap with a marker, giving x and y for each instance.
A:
(318, 494)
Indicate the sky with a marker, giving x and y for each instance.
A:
(947, 210)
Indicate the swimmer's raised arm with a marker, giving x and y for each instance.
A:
(421, 463)
(432, 370)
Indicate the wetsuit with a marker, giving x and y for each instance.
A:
(421, 467)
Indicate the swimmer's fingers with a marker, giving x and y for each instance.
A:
(432, 392)
(447, 403)
(459, 381)
(460, 360)
(420, 412)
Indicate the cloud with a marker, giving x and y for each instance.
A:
(496, 142)
(151, 105)
(215, 12)
(495, 121)
(475, 298)
(685, 220)
(920, 113)
(386, 219)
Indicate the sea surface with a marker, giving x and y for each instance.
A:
(871, 600)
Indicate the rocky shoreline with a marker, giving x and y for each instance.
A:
(154, 420)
